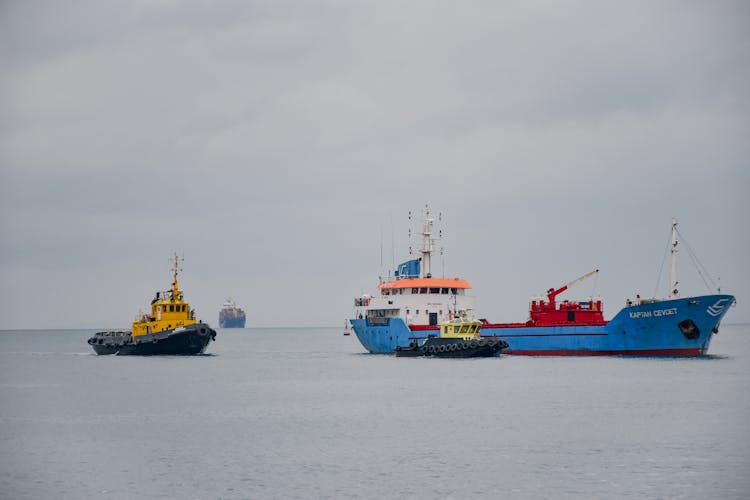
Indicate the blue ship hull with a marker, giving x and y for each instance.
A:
(232, 323)
(679, 327)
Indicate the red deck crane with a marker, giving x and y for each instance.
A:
(543, 313)
(552, 293)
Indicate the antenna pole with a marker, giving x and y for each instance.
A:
(393, 248)
(381, 247)
(176, 269)
(424, 269)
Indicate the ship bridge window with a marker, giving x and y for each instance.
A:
(444, 291)
(423, 290)
(414, 290)
(171, 307)
(454, 291)
(434, 290)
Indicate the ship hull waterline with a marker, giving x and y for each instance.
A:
(232, 323)
(678, 327)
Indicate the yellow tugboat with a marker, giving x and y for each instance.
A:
(460, 337)
(171, 328)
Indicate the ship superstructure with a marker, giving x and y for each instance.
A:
(413, 297)
(168, 310)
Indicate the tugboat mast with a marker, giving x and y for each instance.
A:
(176, 269)
(673, 292)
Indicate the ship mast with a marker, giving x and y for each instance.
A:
(424, 269)
(673, 292)
(175, 286)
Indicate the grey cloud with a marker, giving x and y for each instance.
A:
(273, 143)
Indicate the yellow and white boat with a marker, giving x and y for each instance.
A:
(460, 337)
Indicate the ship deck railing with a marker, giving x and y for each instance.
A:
(118, 333)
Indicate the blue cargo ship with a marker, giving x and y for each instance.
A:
(412, 304)
(231, 315)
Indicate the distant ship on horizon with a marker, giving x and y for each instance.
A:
(231, 315)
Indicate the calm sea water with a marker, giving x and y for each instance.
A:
(304, 413)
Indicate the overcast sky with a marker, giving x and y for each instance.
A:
(279, 145)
